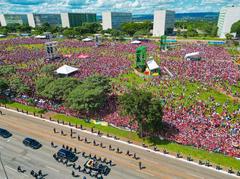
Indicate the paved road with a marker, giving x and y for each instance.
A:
(14, 153)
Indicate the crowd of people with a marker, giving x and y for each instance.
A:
(198, 124)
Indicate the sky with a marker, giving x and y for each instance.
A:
(97, 6)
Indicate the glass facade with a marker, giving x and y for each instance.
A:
(119, 18)
(78, 19)
(52, 19)
(16, 19)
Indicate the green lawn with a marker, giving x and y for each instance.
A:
(30, 109)
(215, 158)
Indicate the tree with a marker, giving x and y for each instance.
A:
(236, 28)
(144, 109)
(155, 115)
(41, 84)
(3, 85)
(229, 36)
(90, 95)
(60, 88)
(48, 69)
(7, 70)
(69, 33)
(17, 86)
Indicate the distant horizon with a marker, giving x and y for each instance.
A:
(99, 6)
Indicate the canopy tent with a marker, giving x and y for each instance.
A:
(136, 42)
(66, 70)
(188, 56)
(152, 65)
(40, 37)
(1, 35)
(87, 40)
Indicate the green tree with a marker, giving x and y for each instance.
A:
(236, 28)
(69, 33)
(41, 84)
(90, 95)
(3, 85)
(7, 70)
(59, 88)
(143, 108)
(229, 36)
(16, 84)
(48, 69)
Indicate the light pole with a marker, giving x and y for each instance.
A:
(3, 167)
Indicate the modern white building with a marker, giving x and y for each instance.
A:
(163, 23)
(114, 20)
(227, 17)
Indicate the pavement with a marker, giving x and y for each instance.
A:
(14, 153)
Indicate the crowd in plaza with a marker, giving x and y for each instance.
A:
(199, 124)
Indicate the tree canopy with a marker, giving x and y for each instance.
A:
(59, 89)
(90, 95)
(3, 85)
(16, 84)
(236, 28)
(143, 108)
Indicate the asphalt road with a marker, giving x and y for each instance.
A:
(14, 153)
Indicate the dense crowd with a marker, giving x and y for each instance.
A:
(199, 124)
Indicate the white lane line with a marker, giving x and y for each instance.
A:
(126, 143)
(52, 169)
(27, 158)
(146, 173)
(10, 168)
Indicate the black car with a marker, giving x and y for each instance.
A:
(66, 154)
(4, 133)
(32, 143)
(96, 166)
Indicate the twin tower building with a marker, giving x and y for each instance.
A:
(163, 20)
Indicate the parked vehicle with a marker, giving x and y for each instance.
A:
(29, 142)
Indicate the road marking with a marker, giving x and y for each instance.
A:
(123, 142)
(52, 169)
(146, 173)
(11, 168)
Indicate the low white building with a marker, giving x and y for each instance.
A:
(227, 17)
(163, 23)
(114, 20)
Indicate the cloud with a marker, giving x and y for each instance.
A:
(97, 6)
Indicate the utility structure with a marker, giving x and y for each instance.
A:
(52, 50)
(163, 42)
(141, 54)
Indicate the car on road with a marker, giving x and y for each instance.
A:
(29, 142)
(66, 154)
(4, 133)
(96, 166)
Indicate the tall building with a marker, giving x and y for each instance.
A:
(227, 17)
(114, 20)
(61, 20)
(163, 22)
(77, 19)
(13, 19)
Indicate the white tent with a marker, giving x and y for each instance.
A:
(66, 70)
(136, 42)
(152, 65)
(87, 40)
(1, 35)
(188, 55)
(40, 37)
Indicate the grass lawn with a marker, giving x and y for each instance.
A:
(215, 158)
(15, 105)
